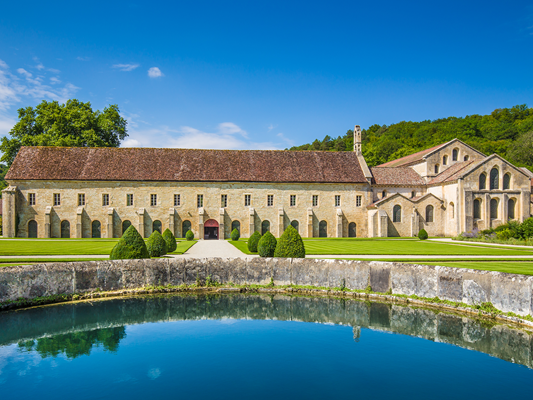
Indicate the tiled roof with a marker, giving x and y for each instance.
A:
(452, 173)
(412, 158)
(147, 164)
(396, 176)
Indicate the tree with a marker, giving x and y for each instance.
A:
(521, 150)
(267, 245)
(290, 244)
(252, 242)
(171, 240)
(130, 246)
(156, 245)
(72, 124)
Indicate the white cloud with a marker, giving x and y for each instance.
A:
(83, 58)
(6, 123)
(155, 72)
(126, 67)
(54, 80)
(22, 71)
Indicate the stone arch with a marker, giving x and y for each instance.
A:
(32, 229)
(96, 229)
(477, 209)
(445, 160)
(323, 229)
(452, 210)
(352, 229)
(185, 227)
(296, 225)
(125, 225)
(235, 225)
(265, 227)
(507, 181)
(157, 226)
(483, 181)
(429, 213)
(65, 229)
(511, 205)
(494, 178)
(494, 208)
(397, 213)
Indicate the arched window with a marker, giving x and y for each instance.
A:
(510, 208)
(352, 229)
(436, 168)
(397, 213)
(296, 225)
(482, 181)
(383, 194)
(493, 209)
(444, 160)
(236, 225)
(95, 229)
(32, 229)
(265, 227)
(65, 229)
(494, 178)
(125, 225)
(322, 229)
(455, 154)
(156, 226)
(465, 158)
(507, 181)
(185, 227)
(477, 209)
(452, 210)
(429, 213)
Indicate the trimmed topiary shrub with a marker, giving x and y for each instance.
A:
(252, 242)
(157, 246)
(189, 235)
(130, 246)
(422, 235)
(526, 228)
(290, 244)
(171, 241)
(235, 235)
(267, 245)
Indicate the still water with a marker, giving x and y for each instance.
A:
(259, 347)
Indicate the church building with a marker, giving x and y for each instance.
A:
(99, 192)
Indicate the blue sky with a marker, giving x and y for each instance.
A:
(247, 75)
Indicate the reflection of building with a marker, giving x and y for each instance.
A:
(98, 192)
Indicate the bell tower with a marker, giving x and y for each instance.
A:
(357, 140)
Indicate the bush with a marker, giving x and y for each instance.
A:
(171, 241)
(422, 235)
(290, 244)
(252, 242)
(504, 234)
(235, 235)
(157, 246)
(189, 235)
(526, 228)
(130, 246)
(267, 245)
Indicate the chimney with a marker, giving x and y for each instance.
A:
(357, 140)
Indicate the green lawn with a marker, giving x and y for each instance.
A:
(68, 247)
(511, 267)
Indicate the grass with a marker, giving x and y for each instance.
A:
(72, 247)
(242, 245)
(511, 267)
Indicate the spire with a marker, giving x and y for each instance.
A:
(357, 140)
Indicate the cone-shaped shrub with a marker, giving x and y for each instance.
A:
(252, 242)
(189, 235)
(290, 244)
(267, 245)
(235, 235)
(422, 235)
(156, 245)
(171, 241)
(130, 246)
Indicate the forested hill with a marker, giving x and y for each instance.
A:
(507, 132)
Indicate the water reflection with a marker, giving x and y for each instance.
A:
(74, 329)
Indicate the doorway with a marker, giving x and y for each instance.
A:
(211, 229)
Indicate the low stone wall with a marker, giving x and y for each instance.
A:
(507, 292)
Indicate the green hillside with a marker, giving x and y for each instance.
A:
(507, 132)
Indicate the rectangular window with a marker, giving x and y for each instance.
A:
(293, 200)
(337, 200)
(81, 199)
(358, 201)
(270, 200)
(200, 200)
(224, 200)
(129, 199)
(177, 200)
(315, 200)
(247, 200)
(153, 200)
(105, 200)
(57, 199)
(31, 199)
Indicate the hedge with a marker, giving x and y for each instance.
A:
(171, 241)
(422, 234)
(157, 246)
(252, 242)
(290, 244)
(267, 245)
(189, 235)
(130, 246)
(235, 235)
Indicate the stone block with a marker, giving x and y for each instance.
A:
(403, 279)
(176, 271)
(259, 271)
(195, 268)
(109, 274)
(217, 268)
(337, 271)
(309, 272)
(511, 293)
(281, 271)
(238, 271)
(59, 278)
(133, 274)
(380, 274)
(156, 272)
(358, 275)
(476, 286)
(450, 283)
(427, 282)
(86, 276)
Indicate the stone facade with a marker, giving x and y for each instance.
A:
(323, 194)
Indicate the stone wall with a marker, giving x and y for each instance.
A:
(507, 292)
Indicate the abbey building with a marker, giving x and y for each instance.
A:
(99, 192)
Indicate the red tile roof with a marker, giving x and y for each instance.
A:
(396, 176)
(412, 158)
(452, 173)
(147, 164)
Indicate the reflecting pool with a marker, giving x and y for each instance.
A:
(260, 347)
